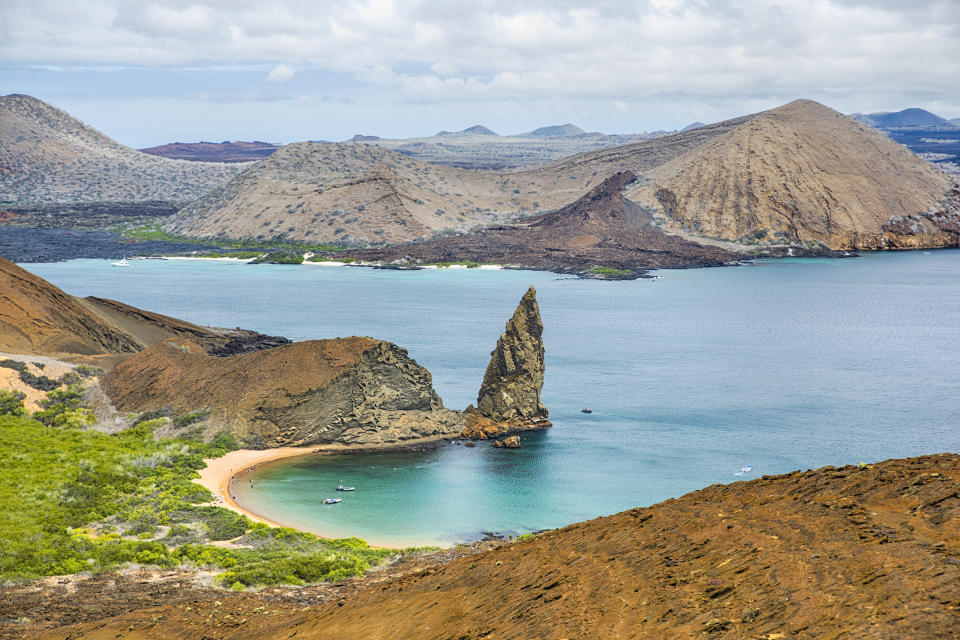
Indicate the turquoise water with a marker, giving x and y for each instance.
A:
(782, 365)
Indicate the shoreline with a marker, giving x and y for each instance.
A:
(220, 473)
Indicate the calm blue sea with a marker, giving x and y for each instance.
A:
(781, 365)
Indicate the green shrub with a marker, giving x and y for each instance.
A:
(43, 383)
(74, 419)
(11, 403)
(609, 272)
(220, 523)
(87, 371)
(279, 257)
(16, 365)
(58, 402)
(191, 418)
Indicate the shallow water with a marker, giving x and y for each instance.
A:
(782, 365)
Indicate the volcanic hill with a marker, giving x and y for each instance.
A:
(600, 235)
(48, 156)
(851, 552)
(801, 174)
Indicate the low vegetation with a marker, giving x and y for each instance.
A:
(42, 382)
(609, 272)
(230, 248)
(458, 263)
(77, 500)
(279, 257)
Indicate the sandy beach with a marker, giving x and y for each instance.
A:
(219, 472)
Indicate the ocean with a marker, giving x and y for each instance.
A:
(691, 377)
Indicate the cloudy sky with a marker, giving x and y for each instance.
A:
(148, 72)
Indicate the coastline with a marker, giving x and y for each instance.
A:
(219, 473)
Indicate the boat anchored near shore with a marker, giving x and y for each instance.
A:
(332, 500)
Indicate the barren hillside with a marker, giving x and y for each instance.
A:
(800, 174)
(48, 156)
(39, 318)
(361, 194)
(355, 193)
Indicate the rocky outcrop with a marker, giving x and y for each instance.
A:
(356, 391)
(509, 397)
(512, 442)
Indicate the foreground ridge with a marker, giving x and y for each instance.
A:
(869, 551)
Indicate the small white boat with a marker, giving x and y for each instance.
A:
(332, 500)
(122, 263)
(343, 488)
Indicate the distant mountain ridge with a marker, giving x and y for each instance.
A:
(907, 118)
(554, 131)
(48, 156)
(226, 151)
(798, 174)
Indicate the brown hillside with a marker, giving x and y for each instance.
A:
(48, 156)
(38, 318)
(798, 174)
(601, 229)
(348, 390)
(833, 553)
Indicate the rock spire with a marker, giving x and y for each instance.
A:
(509, 398)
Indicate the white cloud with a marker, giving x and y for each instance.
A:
(435, 51)
(281, 73)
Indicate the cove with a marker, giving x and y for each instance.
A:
(780, 365)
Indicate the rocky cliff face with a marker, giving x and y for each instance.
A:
(347, 390)
(509, 397)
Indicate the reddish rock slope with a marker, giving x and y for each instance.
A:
(832, 553)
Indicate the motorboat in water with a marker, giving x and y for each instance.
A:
(586, 410)
(332, 500)
(122, 263)
(343, 488)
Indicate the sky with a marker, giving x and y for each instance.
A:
(148, 72)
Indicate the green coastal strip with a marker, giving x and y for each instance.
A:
(77, 500)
